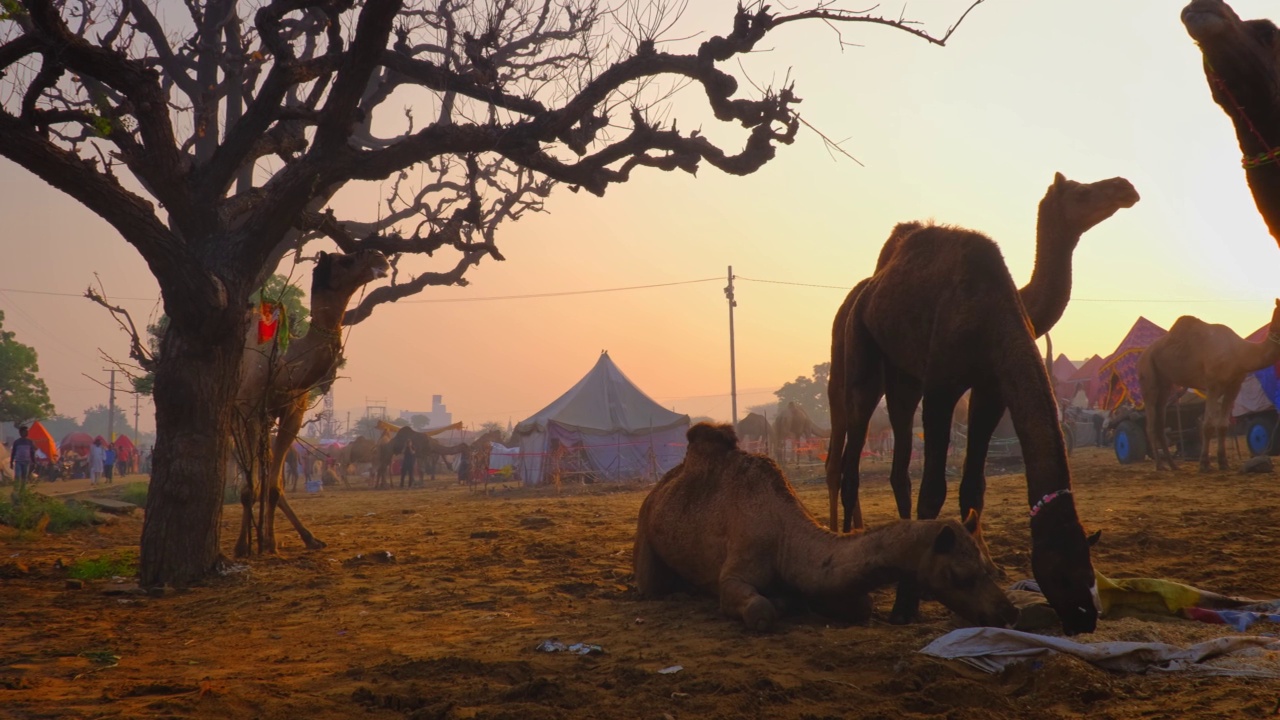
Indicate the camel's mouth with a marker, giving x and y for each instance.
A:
(1205, 19)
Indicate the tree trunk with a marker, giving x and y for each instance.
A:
(195, 391)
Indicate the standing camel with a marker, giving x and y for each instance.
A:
(943, 310)
(1242, 66)
(754, 429)
(278, 389)
(1066, 212)
(427, 449)
(1209, 358)
(792, 423)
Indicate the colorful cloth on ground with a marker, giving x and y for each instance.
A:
(1152, 596)
(1239, 619)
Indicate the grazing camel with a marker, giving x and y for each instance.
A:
(755, 431)
(728, 523)
(358, 451)
(275, 388)
(427, 449)
(1242, 66)
(1067, 210)
(943, 311)
(1209, 358)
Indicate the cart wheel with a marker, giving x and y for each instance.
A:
(1258, 435)
(1130, 443)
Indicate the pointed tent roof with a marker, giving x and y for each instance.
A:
(43, 440)
(604, 400)
(1118, 376)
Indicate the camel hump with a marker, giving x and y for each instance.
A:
(709, 436)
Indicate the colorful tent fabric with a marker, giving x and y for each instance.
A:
(77, 442)
(1118, 376)
(125, 448)
(43, 440)
(1085, 379)
(607, 425)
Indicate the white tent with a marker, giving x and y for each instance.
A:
(603, 427)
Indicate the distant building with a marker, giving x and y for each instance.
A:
(439, 416)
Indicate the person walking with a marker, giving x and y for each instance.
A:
(21, 455)
(97, 458)
(109, 462)
(406, 464)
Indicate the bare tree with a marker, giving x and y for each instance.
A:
(217, 141)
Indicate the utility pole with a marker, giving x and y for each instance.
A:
(136, 431)
(733, 362)
(111, 409)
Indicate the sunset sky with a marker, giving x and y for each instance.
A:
(970, 134)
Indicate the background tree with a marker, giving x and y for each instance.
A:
(240, 122)
(493, 426)
(367, 426)
(420, 422)
(810, 393)
(60, 426)
(23, 395)
(95, 422)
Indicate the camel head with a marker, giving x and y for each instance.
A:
(344, 274)
(1060, 562)
(1242, 64)
(1078, 207)
(956, 573)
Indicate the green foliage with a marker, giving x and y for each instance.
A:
(277, 289)
(135, 493)
(420, 422)
(809, 393)
(95, 422)
(26, 510)
(12, 10)
(120, 564)
(368, 427)
(23, 395)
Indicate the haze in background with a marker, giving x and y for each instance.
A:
(970, 134)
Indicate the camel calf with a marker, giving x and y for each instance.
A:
(729, 523)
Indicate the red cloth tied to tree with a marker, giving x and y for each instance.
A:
(268, 321)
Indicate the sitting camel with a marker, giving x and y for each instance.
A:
(275, 388)
(791, 426)
(754, 429)
(1067, 210)
(942, 312)
(1209, 358)
(729, 523)
(1242, 66)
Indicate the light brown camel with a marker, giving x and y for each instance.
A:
(1067, 210)
(278, 388)
(943, 311)
(792, 424)
(1209, 358)
(427, 451)
(755, 431)
(359, 451)
(728, 523)
(1242, 66)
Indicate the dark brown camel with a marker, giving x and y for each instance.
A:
(755, 431)
(1066, 212)
(942, 311)
(427, 450)
(1209, 358)
(728, 523)
(275, 388)
(1242, 66)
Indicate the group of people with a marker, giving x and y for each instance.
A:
(100, 463)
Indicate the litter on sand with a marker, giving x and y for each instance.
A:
(554, 645)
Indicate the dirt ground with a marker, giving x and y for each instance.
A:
(449, 629)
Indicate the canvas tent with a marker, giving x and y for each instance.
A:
(605, 427)
(43, 440)
(1118, 376)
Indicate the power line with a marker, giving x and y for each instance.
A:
(75, 295)
(560, 294)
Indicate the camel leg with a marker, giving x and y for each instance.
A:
(1155, 430)
(740, 599)
(939, 406)
(985, 410)
(1228, 404)
(835, 445)
(1208, 428)
(290, 424)
(903, 394)
(244, 545)
(864, 386)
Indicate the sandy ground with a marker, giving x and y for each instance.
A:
(448, 629)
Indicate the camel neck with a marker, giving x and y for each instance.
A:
(1257, 356)
(1046, 295)
(819, 562)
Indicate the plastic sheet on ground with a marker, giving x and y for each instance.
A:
(994, 649)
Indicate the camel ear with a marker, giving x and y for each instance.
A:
(973, 523)
(945, 541)
(1093, 539)
(1058, 179)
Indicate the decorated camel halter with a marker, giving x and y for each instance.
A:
(1048, 499)
(1248, 162)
